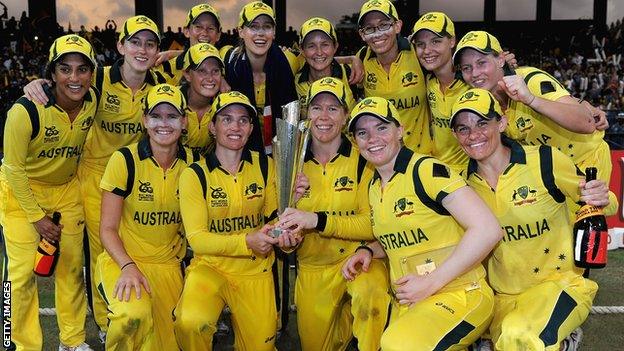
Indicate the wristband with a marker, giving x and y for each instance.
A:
(126, 265)
(365, 247)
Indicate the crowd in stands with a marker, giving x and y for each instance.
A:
(588, 63)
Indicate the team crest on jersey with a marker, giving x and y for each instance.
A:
(371, 81)
(218, 197)
(409, 79)
(523, 124)
(51, 134)
(146, 191)
(86, 124)
(524, 195)
(112, 103)
(403, 207)
(344, 184)
(253, 191)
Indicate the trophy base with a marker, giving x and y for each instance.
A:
(276, 232)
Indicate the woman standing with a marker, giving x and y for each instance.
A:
(139, 274)
(42, 144)
(435, 231)
(540, 296)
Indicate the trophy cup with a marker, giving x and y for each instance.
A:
(289, 149)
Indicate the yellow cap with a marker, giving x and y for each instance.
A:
(199, 10)
(479, 40)
(71, 43)
(135, 24)
(376, 107)
(479, 101)
(317, 23)
(436, 22)
(252, 10)
(198, 53)
(383, 6)
(231, 98)
(165, 93)
(329, 85)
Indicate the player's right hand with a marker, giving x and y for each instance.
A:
(48, 230)
(357, 263)
(34, 91)
(260, 241)
(131, 277)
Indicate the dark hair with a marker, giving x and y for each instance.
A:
(51, 66)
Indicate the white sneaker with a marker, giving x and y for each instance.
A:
(572, 341)
(102, 336)
(82, 347)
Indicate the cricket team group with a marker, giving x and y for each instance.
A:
(434, 210)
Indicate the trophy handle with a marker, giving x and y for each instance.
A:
(304, 129)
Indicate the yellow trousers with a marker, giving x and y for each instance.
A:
(450, 320)
(206, 291)
(145, 323)
(330, 309)
(21, 241)
(541, 317)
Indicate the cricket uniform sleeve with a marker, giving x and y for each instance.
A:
(17, 136)
(195, 218)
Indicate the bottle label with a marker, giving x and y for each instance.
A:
(588, 211)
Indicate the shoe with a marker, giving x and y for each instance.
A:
(82, 347)
(102, 337)
(572, 341)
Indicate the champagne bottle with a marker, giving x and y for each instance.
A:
(47, 253)
(590, 233)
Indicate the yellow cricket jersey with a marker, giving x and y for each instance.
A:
(340, 71)
(118, 118)
(408, 217)
(173, 69)
(150, 226)
(530, 127)
(197, 134)
(42, 145)
(446, 148)
(219, 209)
(405, 87)
(529, 202)
(338, 193)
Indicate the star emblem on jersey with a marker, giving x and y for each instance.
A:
(524, 195)
(343, 184)
(403, 207)
(409, 79)
(146, 191)
(253, 191)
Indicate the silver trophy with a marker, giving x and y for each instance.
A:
(289, 149)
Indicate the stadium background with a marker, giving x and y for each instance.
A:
(580, 42)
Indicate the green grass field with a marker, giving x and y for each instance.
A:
(601, 332)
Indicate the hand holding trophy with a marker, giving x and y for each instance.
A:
(289, 149)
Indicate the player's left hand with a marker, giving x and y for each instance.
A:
(166, 56)
(412, 288)
(600, 117)
(302, 183)
(515, 87)
(357, 71)
(288, 241)
(510, 58)
(594, 193)
(296, 220)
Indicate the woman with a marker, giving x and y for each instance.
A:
(117, 123)
(203, 73)
(334, 217)
(540, 296)
(139, 273)
(226, 202)
(258, 68)
(434, 230)
(42, 144)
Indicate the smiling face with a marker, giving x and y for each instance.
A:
(433, 51)
(205, 29)
(164, 124)
(258, 35)
(383, 38)
(481, 70)
(139, 51)
(327, 117)
(319, 50)
(206, 78)
(72, 77)
(379, 142)
(232, 127)
(479, 137)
